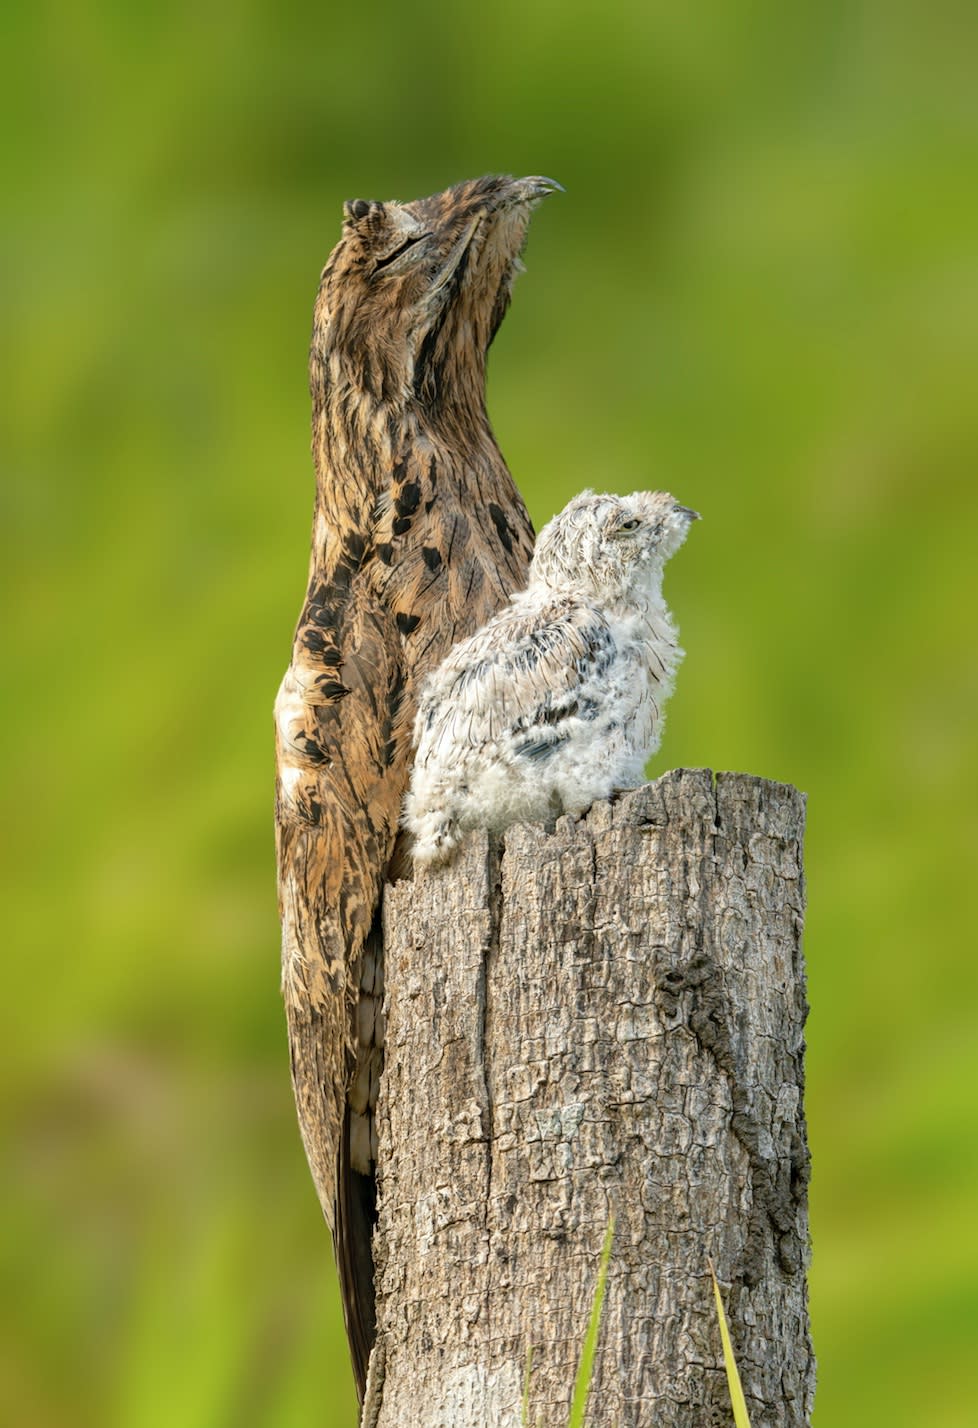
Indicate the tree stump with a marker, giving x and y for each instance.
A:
(603, 1019)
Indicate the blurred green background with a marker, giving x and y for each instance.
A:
(759, 291)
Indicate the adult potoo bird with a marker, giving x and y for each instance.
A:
(419, 535)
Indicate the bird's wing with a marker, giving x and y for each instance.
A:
(389, 592)
(337, 801)
(521, 678)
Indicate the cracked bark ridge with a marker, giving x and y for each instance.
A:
(604, 1018)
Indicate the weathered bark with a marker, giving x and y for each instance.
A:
(604, 1019)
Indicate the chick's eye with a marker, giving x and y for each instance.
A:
(632, 525)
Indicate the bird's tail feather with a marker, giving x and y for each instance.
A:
(356, 1215)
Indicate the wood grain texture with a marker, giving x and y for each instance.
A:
(605, 1018)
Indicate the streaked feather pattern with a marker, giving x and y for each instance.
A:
(419, 535)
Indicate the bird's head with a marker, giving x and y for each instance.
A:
(413, 293)
(610, 547)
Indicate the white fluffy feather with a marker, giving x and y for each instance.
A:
(558, 700)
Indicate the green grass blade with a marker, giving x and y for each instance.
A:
(730, 1363)
(586, 1367)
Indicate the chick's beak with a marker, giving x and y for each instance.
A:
(690, 515)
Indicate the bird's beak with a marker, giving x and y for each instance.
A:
(685, 511)
(531, 190)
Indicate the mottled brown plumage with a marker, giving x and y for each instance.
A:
(419, 535)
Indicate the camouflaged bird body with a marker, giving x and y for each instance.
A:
(387, 600)
(419, 535)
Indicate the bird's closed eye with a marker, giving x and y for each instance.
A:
(391, 257)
